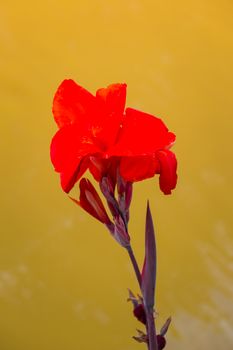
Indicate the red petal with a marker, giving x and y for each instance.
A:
(97, 167)
(168, 166)
(112, 98)
(111, 104)
(141, 134)
(72, 174)
(72, 103)
(138, 168)
(100, 167)
(68, 154)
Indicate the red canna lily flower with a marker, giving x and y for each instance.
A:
(99, 134)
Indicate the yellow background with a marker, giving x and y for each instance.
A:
(63, 280)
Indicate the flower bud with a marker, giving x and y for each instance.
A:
(91, 202)
(120, 233)
(108, 192)
(138, 307)
(161, 341)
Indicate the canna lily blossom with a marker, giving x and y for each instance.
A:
(98, 134)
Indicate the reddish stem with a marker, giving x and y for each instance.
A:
(151, 332)
(135, 264)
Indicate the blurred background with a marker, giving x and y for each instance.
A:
(63, 279)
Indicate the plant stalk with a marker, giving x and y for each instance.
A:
(151, 332)
(135, 264)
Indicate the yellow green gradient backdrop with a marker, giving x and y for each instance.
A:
(63, 280)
